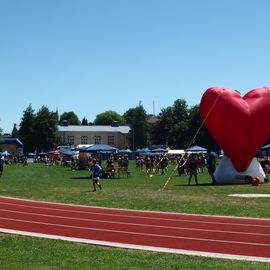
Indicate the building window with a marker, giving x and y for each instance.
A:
(84, 140)
(111, 140)
(97, 139)
(70, 140)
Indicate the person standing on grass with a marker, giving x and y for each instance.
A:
(192, 166)
(96, 171)
(211, 165)
(2, 161)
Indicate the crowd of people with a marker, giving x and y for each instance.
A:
(188, 164)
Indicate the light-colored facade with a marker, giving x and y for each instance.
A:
(116, 136)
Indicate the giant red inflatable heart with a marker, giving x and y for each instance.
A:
(240, 125)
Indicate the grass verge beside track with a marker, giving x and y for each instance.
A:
(139, 191)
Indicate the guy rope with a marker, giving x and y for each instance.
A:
(191, 142)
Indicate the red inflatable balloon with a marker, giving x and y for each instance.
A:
(240, 125)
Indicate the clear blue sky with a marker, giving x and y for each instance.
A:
(90, 56)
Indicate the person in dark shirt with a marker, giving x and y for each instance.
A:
(192, 167)
(96, 171)
(211, 165)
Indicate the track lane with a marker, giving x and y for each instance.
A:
(224, 235)
(176, 231)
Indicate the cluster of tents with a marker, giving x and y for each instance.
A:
(104, 148)
(193, 149)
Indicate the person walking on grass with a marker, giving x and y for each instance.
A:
(96, 171)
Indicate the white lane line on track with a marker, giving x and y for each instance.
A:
(141, 247)
(136, 233)
(140, 217)
(137, 224)
(129, 210)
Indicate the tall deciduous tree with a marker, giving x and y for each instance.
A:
(108, 118)
(45, 124)
(38, 131)
(162, 131)
(84, 122)
(171, 125)
(26, 131)
(197, 133)
(70, 117)
(137, 119)
(180, 117)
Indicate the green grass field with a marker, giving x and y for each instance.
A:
(139, 191)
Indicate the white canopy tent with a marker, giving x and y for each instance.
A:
(176, 152)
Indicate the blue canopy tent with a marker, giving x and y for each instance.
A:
(197, 149)
(68, 152)
(101, 148)
(124, 151)
(159, 150)
(264, 151)
(265, 147)
(142, 150)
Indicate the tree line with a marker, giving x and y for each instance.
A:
(177, 126)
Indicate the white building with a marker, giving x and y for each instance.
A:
(116, 136)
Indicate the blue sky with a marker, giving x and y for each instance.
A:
(91, 56)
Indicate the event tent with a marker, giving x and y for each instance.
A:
(143, 150)
(100, 148)
(196, 149)
(176, 152)
(159, 150)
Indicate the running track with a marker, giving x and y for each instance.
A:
(213, 236)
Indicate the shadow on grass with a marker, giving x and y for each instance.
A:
(194, 185)
(213, 185)
(87, 191)
(80, 177)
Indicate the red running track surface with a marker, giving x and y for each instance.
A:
(213, 236)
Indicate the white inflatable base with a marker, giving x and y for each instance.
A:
(227, 174)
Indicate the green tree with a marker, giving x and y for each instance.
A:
(84, 122)
(45, 131)
(171, 126)
(26, 131)
(162, 131)
(137, 119)
(108, 118)
(197, 133)
(180, 110)
(70, 117)
(180, 117)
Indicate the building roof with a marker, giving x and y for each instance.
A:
(11, 141)
(152, 119)
(94, 128)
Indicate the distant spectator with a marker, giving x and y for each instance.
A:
(181, 164)
(192, 166)
(2, 161)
